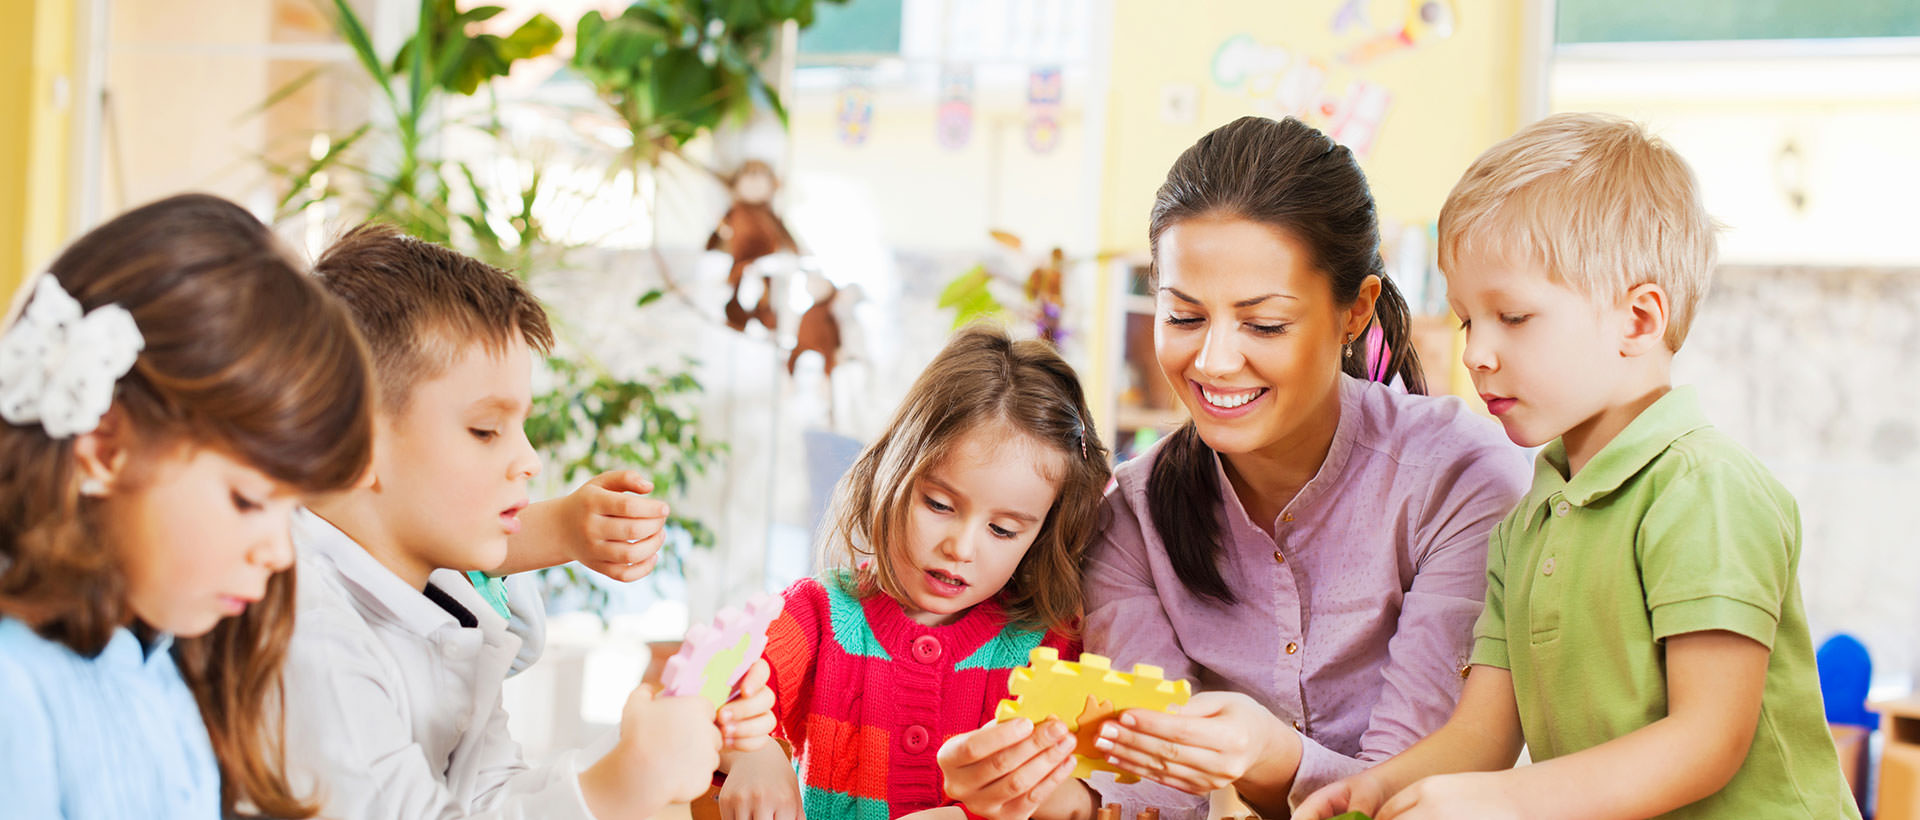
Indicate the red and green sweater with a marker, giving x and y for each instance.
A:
(866, 696)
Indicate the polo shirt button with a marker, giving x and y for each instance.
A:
(1546, 567)
(915, 739)
(926, 649)
(1292, 647)
(1561, 509)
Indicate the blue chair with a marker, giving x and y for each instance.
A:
(1845, 673)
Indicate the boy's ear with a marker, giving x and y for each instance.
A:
(101, 455)
(1645, 314)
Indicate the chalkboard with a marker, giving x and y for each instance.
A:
(859, 27)
(1628, 21)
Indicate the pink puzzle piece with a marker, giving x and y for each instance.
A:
(713, 659)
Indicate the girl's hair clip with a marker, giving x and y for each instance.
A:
(58, 365)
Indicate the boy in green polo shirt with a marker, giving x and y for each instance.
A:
(1643, 634)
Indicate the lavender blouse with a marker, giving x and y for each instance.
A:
(1356, 622)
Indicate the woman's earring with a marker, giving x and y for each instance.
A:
(1346, 348)
(93, 488)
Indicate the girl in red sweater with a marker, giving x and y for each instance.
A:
(959, 533)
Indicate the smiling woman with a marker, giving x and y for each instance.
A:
(1311, 548)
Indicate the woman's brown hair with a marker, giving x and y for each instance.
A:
(243, 353)
(1289, 177)
(981, 377)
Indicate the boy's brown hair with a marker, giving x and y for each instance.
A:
(981, 377)
(419, 305)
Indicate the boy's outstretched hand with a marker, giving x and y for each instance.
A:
(610, 525)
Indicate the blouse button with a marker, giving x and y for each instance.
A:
(1279, 556)
(1546, 567)
(915, 740)
(1465, 670)
(926, 649)
(1296, 726)
(1292, 647)
(1286, 518)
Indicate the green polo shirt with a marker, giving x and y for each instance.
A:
(1672, 528)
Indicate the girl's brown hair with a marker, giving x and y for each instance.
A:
(1289, 177)
(981, 377)
(245, 354)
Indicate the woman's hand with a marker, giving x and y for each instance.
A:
(1216, 740)
(1007, 770)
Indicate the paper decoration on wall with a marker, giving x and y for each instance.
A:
(1084, 696)
(1282, 82)
(1352, 14)
(748, 232)
(713, 659)
(1045, 91)
(1426, 20)
(953, 121)
(1179, 103)
(853, 111)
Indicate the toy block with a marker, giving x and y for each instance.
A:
(1085, 695)
(713, 659)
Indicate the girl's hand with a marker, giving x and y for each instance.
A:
(746, 720)
(1004, 771)
(1216, 739)
(1359, 793)
(1475, 795)
(761, 785)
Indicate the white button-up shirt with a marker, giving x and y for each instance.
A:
(393, 708)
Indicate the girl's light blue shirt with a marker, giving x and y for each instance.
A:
(113, 736)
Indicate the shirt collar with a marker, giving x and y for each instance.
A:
(377, 589)
(125, 650)
(1649, 434)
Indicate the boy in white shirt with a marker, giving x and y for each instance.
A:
(393, 675)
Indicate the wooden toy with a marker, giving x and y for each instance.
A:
(713, 659)
(1085, 695)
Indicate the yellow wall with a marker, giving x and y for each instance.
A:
(1450, 98)
(36, 89)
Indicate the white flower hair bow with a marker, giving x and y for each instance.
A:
(58, 367)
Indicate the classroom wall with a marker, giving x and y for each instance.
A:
(36, 96)
(1446, 98)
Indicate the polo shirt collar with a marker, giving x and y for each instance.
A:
(1665, 421)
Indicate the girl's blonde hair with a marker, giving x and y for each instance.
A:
(981, 377)
(244, 354)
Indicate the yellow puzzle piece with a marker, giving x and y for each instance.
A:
(1085, 695)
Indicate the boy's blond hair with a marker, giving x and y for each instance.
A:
(1600, 203)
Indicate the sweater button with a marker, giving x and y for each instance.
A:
(926, 649)
(915, 739)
